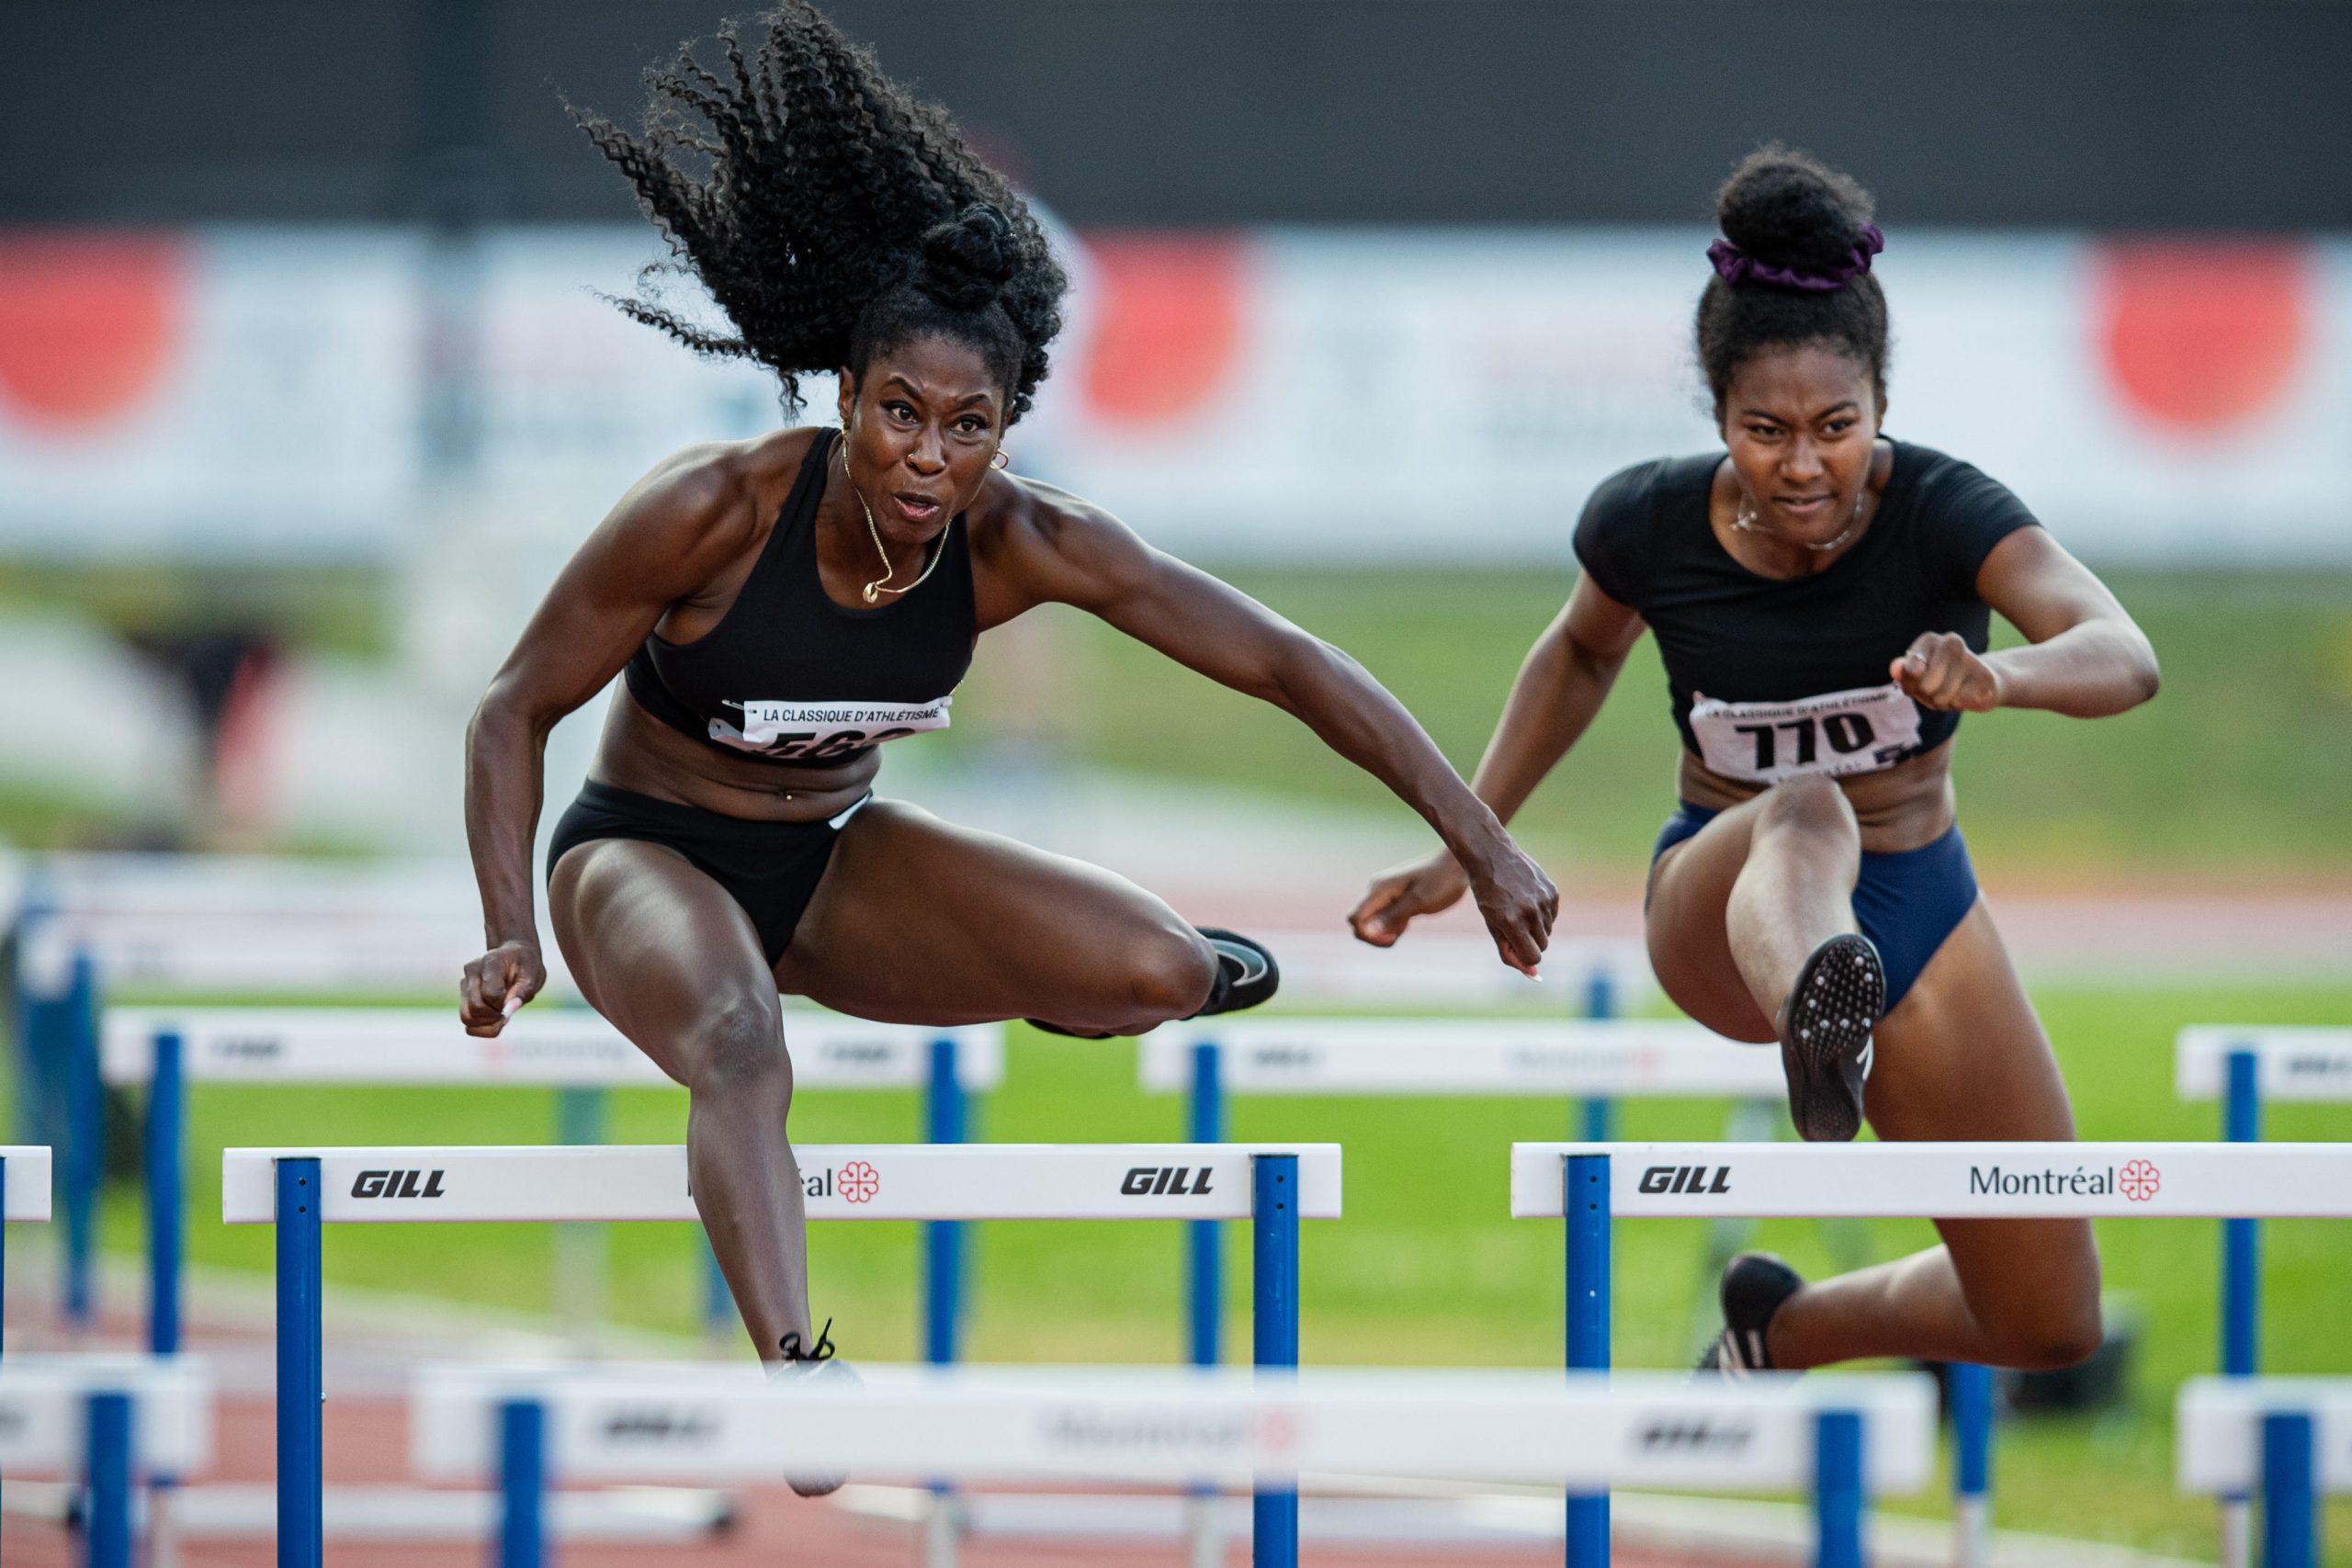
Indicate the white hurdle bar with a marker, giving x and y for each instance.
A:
(299, 1189)
(2287, 1440)
(1838, 1437)
(1568, 1058)
(165, 1048)
(2245, 1066)
(105, 1421)
(1590, 1184)
(1458, 969)
(1598, 1060)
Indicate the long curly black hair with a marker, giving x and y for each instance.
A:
(1789, 210)
(830, 213)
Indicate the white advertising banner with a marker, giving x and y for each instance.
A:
(1279, 394)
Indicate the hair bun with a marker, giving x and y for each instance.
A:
(968, 260)
(1790, 211)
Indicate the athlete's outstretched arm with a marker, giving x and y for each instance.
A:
(1070, 553)
(2085, 656)
(1562, 683)
(668, 537)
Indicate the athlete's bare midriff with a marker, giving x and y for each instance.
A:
(1907, 807)
(641, 753)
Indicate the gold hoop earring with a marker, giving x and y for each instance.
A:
(1004, 459)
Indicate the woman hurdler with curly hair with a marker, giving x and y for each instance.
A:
(780, 608)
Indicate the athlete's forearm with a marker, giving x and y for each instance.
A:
(504, 753)
(1356, 717)
(1559, 688)
(2089, 670)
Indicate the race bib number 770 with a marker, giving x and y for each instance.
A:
(1838, 732)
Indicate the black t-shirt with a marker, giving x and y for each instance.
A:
(1737, 637)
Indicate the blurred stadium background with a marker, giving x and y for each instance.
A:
(307, 391)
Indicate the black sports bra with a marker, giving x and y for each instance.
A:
(789, 676)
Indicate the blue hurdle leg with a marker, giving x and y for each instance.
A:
(301, 1437)
(522, 1483)
(2290, 1491)
(1204, 1291)
(1972, 1442)
(1598, 1119)
(2241, 1239)
(1204, 1258)
(1274, 1229)
(1838, 1489)
(108, 1464)
(943, 1239)
(2241, 1284)
(1586, 1204)
(86, 1134)
(942, 1255)
(167, 1223)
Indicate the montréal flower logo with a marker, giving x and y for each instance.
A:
(2140, 1180)
(860, 1181)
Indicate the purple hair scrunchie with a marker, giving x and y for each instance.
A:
(1736, 265)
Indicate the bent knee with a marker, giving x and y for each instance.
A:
(1810, 803)
(736, 1045)
(1170, 974)
(2052, 1341)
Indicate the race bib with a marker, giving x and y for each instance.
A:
(821, 732)
(1839, 732)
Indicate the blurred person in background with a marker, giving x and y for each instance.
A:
(1821, 595)
(781, 606)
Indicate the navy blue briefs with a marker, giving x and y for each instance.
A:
(1907, 903)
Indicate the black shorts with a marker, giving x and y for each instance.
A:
(770, 869)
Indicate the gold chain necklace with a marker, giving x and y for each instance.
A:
(881, 585)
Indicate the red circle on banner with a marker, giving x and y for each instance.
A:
(87, 322)
(2203, 335)
(1169, 325)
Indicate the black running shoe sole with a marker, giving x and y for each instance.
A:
(1825, 1033)
(1254, 976)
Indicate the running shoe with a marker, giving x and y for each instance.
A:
(1825, 1037)
(1754, 1286)
(804, 1367)
(1246, 975)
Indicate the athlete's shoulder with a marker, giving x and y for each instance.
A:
(1962, 511)
(1016, 515)
(1617, 537)
(1945, 488)
(1041, 544)
(717, 494)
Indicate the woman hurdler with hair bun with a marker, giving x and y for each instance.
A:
(781, 607)
(1821, 595)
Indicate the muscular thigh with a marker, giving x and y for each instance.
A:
(654, 943)
(1690, 946)
(919, 921)
(1963, 1057)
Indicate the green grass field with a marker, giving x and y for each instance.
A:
(1425, 1268)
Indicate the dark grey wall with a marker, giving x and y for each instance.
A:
(2115, 114)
